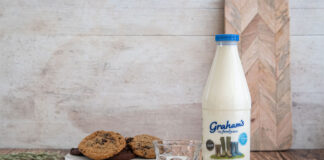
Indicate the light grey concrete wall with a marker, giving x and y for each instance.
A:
(68, 68)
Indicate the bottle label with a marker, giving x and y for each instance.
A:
(226, 134)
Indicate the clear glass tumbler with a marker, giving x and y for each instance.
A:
(177, 149)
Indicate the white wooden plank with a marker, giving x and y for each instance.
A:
(72, 20)
(135, 62)
(100, 4)
(307, 21)
(38, 134)
(151, 83)
(88, 21)
(307, 65)
(308, 120)
(306, 4)
(307, 87)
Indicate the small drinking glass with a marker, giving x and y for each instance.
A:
(177, 149)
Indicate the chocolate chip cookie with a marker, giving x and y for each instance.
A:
(102, 145)
(142, 145)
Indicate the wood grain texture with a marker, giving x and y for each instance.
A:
(113, 4)
(302, 154)
(308, 91)
(309, 4)
(106, 18)
(307, 22)
(69, 87)
(264, 30)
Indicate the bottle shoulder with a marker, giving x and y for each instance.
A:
(226, 85)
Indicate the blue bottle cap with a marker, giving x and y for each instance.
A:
(227, 37)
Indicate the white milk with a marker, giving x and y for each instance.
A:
(226, 105)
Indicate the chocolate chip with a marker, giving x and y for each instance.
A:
(111, 139)
(106, 135)
(103, 140)
(128, 140)
(76, 152)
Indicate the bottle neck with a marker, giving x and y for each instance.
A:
(227, 43)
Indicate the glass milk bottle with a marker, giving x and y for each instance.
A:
(226, 105)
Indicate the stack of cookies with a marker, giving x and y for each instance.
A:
(110, 145)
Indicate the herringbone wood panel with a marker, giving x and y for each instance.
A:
(263, 26)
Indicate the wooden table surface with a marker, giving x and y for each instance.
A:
(300, 154)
